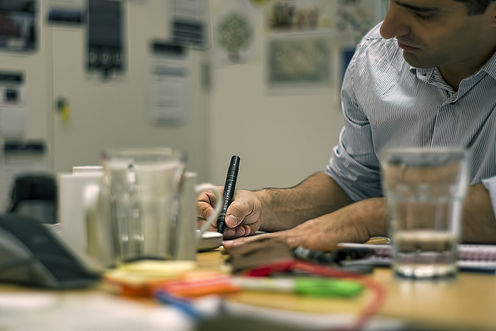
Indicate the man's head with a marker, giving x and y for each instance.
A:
(449, 34)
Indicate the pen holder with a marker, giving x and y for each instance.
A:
(142, 193)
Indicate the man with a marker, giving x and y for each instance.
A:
(424, 77)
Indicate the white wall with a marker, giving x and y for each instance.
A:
(117, 113)
(281, 137)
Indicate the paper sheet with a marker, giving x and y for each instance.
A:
(170, 88)
(87, 312)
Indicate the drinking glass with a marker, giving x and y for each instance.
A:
(424, 189)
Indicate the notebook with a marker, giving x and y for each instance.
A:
(478, 258)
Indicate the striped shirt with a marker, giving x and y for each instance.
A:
(388, 103)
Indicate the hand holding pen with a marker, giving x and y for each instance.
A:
(229, 188)
(244, 213)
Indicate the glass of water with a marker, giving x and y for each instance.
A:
(424, 189)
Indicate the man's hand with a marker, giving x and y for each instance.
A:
(354, 223)
(273, 209)
(243, 217)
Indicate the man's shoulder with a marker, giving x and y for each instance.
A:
(375, 42)
(377, 62)
(374, 33)
(377, 51)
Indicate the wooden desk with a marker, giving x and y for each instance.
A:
(467, 303)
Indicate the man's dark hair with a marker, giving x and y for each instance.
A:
(475, 7)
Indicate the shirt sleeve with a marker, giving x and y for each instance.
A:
(490, 185)
(353, 163)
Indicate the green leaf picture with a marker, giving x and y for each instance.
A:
(234, 34)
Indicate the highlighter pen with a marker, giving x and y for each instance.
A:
(229, 187)
(309, 286)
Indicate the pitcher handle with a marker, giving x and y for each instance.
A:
(218, 206)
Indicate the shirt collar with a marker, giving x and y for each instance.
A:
(489, 67)
(422, 73)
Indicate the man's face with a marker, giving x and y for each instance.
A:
(439, 32)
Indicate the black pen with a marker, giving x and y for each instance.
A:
(229, 187)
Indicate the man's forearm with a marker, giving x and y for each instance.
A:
(478, 222)
(315, 196)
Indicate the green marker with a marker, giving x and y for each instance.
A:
(308, 286)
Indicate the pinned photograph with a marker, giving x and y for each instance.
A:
(299, 62)
(298, 16)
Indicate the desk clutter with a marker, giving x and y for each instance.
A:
(471, 257)
(266, 265)
(139, 203)
(32, 254)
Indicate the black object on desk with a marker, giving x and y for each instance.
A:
(35, 195)
(229, 188)
(30, 254)
(338, 258)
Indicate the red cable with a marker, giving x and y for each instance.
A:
(290, 265)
